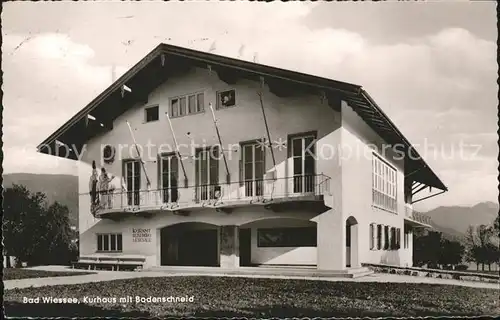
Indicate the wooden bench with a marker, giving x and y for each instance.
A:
(115, 263)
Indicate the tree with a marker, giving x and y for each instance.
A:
(427, 249)
(33, 231)
(496, 226)
(23, 214)
(451, 253)
(481, 245)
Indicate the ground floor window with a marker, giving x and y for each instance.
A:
(287, 237)
(109, 242)
(386, 237)
(406, 239)
(379, 236)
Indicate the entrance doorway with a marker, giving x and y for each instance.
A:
(190, 244)
(245, 247)
(351, 243)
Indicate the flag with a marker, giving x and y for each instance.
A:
(213, 46)
(241, 51)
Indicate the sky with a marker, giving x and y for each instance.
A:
(430, 66)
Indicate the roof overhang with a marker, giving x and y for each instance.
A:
(150, 72)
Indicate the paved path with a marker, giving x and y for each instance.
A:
(114, 275)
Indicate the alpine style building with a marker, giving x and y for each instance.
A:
(196, 159)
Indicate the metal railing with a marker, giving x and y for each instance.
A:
(417, 216)
(216, 194)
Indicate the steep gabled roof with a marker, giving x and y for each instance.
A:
(147, 74)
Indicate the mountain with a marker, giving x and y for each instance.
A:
(57, 187)
(454, 220)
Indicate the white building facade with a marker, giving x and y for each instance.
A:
(332, 190)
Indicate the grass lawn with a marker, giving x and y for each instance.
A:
(19, 273)
(247, 297)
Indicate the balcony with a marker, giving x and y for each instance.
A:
(270, 193)
(415, 218)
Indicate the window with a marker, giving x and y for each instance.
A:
(393, 238)
(207, 174)
(407, 237)
(379, 237)
(372, 236)
(109, 242)
(168, 170)
(384, 187)
(226, 99)
(252, 168)
(386, 238)
(302, 152)
(188, 104)
(133, 181)
(152, 113)
(287, 237)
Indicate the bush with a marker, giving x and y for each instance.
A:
(461, 267)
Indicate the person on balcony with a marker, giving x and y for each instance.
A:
(94, 200)
(104, 189)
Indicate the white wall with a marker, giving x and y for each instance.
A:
(243, 122)
(359, 140)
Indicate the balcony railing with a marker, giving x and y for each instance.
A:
(250, 191)
(417, 216)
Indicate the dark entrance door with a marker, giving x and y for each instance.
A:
(245, 247)
(198, 248)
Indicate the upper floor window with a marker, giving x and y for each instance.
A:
(303, 157)
(152, 113)
(384, 186)
(132, 176)
(226, 99)
(187, 104)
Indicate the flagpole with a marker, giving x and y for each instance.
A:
(139, 154)
(265, 121)
(177, 150)
(228, 177)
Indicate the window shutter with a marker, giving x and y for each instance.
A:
(372, 238)
(386, 237)
(398, 238)
(379, 237)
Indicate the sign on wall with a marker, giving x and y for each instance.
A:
(141, 235)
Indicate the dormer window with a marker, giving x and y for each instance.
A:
(152, 113)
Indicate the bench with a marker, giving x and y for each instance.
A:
(115, 263)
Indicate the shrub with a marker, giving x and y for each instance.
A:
(461, 267)
(432, 266)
